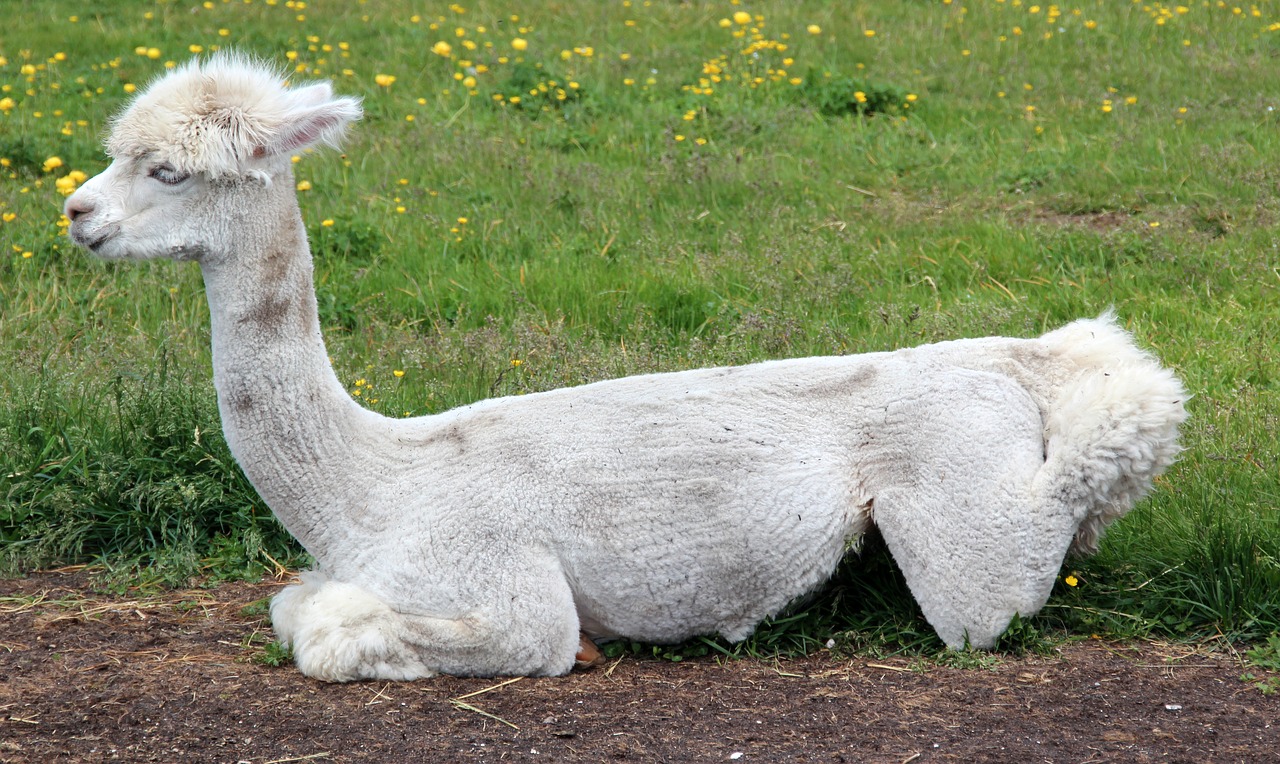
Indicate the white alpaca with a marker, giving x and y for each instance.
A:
(482, 540)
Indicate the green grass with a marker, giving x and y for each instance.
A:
(1006, 173)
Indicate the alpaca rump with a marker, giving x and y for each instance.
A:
(483, 540)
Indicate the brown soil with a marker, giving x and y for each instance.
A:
(86, 676)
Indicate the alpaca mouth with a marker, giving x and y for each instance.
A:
(95, 239)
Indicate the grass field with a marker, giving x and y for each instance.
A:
(550, 193)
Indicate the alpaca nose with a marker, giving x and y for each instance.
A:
(77, 207)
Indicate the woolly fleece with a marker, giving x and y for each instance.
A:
(482, 540)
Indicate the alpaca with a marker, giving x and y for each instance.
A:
(486, 539)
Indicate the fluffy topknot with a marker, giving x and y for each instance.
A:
(216, 115)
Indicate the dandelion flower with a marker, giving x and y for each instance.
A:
(442, 48)
(385, 80)
(520, 43)
(397, 373)
(813, 29)
(52, 163)
(304, 185)
(742, 18)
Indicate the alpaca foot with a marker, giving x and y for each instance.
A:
(341, 633)
(588, 656)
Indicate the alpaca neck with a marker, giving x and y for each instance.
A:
(288, 420)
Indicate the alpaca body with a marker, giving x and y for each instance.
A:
(659, 507)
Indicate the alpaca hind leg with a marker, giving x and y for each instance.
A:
(974, 542)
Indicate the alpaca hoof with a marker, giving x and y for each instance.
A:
(588, 655)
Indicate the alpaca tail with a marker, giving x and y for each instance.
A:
(1110, 429)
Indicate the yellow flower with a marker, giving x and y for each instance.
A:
(52, 163)
(859, 96)
(129, 87)
(520, 43)
(469, 82)
(9, 217)
(153, 53)
(1071, 581)
(6, 103)
(442, 48)
(384, 80)
(304, 185)
(869, 32)
(327, 222)
(397, 373)
(725, 23)
(813, 29)
(742, 18)
(516, 362)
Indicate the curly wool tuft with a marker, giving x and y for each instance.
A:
(217, 116)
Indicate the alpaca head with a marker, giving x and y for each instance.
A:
(194, 153)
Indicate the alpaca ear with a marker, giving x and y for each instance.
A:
(316, 118)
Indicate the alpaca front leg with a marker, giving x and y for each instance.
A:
(340, 632)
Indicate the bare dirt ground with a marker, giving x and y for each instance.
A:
(90, 677)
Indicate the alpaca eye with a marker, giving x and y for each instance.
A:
(167, 175)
